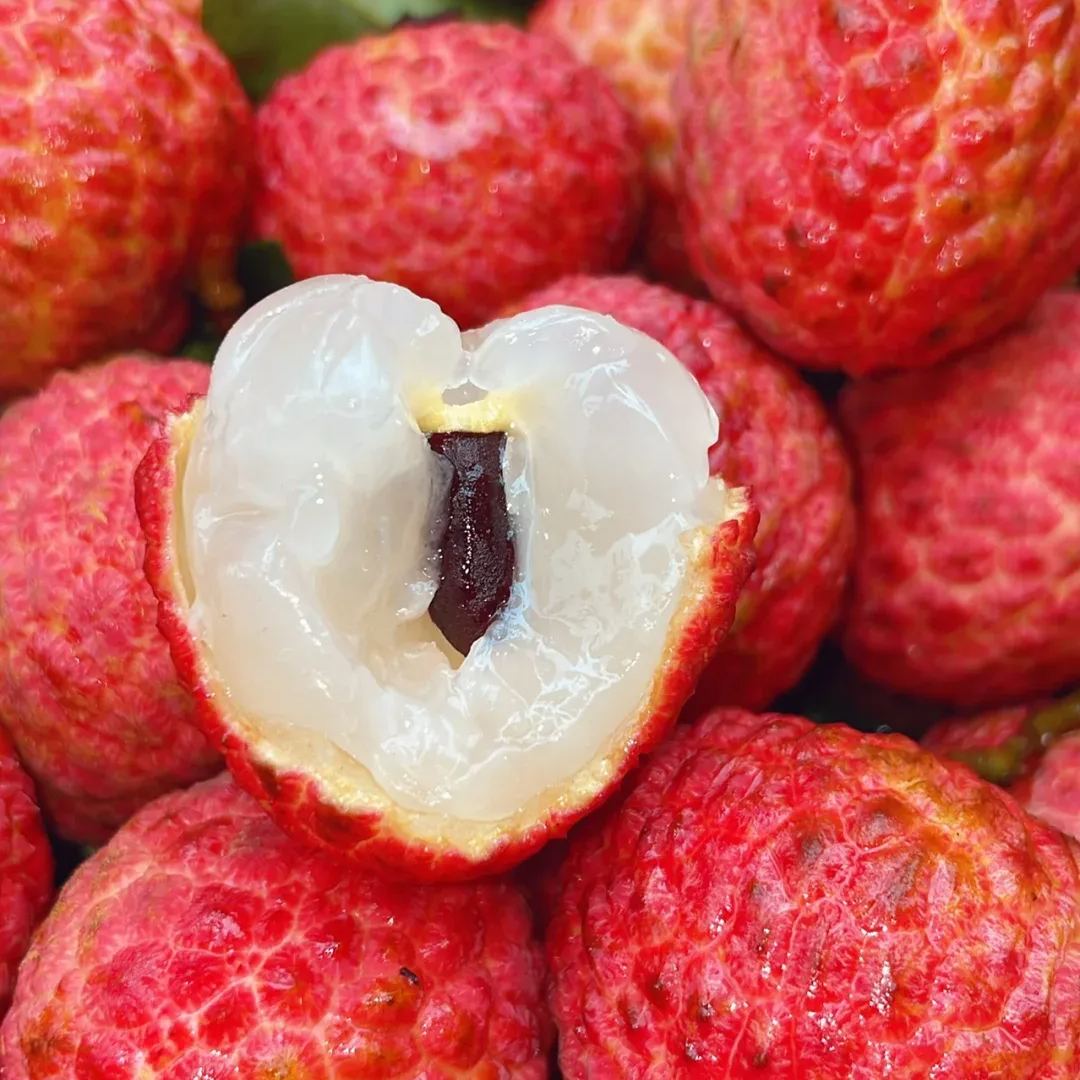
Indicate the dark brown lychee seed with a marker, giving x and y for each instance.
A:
(477, 546)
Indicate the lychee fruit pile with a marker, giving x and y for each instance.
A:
(483, 486)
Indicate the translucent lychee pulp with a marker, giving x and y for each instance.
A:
(310, 507)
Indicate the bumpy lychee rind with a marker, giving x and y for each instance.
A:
(202, 942)
(360, 821)
(777, 441)
(877, 185)
(775, 898)
(639, 45)
(468, 162)
(26, 869)
(126, 141)
(87, 689)
(966, 582)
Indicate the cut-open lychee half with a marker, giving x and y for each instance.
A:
(435, 593)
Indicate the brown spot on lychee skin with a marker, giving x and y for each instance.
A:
(477, 548)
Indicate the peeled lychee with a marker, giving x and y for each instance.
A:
(87, 689)
(776, 440)
(873, 185)
(436, 593)
(124, 162)
(1033, 750)
(780, 899)
(203, 943)
(966, 584)
(639, 45)
(26, 868)
(468, 162)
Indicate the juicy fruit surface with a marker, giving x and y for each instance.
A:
(25, 868)
(780, 899)
(639, 45)
(469, 163)
(309, 501)
(775, 439)
(102, 235)
(87, 689)
(966, 586)
(203, 943)
(876, 184)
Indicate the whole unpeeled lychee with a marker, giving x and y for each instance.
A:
(776, 440)
(639, 45)
(87, 689)
(202, 942)
(125, 142)
(874, 185)
(780, 899)
(436, 593)
(468, 162)
(25, 868)
(966, 584)
(1033, 750)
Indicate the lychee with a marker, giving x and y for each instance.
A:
(202, 942)
(966, 583)
(436, 593)
(780, 899)
(87, 689)
(26, 868)
(776, 440)
(468, 162)
(1033, 750)
(873, 185)
(639, 45)
(125, 143)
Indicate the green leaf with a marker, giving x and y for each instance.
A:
(266, 39)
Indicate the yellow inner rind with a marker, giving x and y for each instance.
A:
(433, 415)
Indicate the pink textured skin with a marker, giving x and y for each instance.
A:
(125, 149)
(639, 45)
(26, 869)
(87, 689)
(300, 803)
(875, 183)
(470, 163)
(203, 943)
(1052, 791)
(776, 440)
(780, 899)
(966, 587)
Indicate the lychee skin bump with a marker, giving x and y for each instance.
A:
(26, 867)
(966, 582)
(776, 898)
(877, 185)
(470, 163)
(203, 942)
(775, 439)
(87, 689)
(138, 201)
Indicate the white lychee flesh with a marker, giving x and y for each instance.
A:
(309, 504)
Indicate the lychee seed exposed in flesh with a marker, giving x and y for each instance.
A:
(487, 568)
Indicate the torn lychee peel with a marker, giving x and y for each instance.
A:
(623, 583)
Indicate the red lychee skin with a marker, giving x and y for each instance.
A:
(468, 162)
(1046, 779)
(125, 142)
(874, 185)
(310, 813)
(202, 942)
(776, 440)
(87, 689)
(966, 582)
(639, 45)
(26, 868)
(785, 900)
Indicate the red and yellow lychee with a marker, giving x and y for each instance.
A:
(87, 689)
